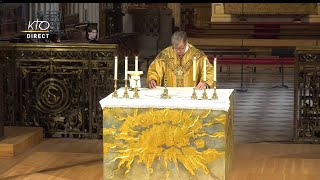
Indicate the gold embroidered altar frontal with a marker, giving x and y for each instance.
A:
(150, 141)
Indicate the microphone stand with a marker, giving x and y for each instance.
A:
(281, 56)
(241, 86)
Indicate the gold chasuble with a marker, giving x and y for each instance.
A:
(179, 70)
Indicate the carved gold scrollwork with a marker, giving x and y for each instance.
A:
(52, 96)
(24, 72)
(94, 65)
(78, 73)
(310, 57)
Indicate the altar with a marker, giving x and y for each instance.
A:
(177, 138)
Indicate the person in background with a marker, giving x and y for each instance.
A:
(92, 34)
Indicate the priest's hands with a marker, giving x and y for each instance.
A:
(201, 85)
(152, 84)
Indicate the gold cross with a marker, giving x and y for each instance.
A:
(179, 72)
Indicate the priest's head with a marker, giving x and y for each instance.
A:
(179, 42)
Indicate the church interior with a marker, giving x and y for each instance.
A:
(53, 124)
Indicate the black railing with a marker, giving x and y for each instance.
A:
(307, 95)
(56, 86)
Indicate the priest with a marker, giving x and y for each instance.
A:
(176, 62)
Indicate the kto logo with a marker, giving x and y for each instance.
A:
(38, 29)
(38, 26)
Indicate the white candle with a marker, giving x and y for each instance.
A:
(205, 69)
(215, 69)
(194, 69)
(116, 67)
(126, 67)
(136, 64)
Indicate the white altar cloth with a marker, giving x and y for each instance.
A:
(180, 99)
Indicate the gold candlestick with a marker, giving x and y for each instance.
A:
(125, 94)
(204, 95)
(115, 93)
(165, 94)
(136, 95)
(194, 94)
(214, 95)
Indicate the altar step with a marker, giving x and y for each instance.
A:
(19, 139)
(56, 159)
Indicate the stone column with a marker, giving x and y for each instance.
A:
(42, 5)
(127, 26)
(176, 13)
(54, 7)
(218, 15)
(95, 13)
(81, 12)
(88, 12)
(31, 11)
(76, 8)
